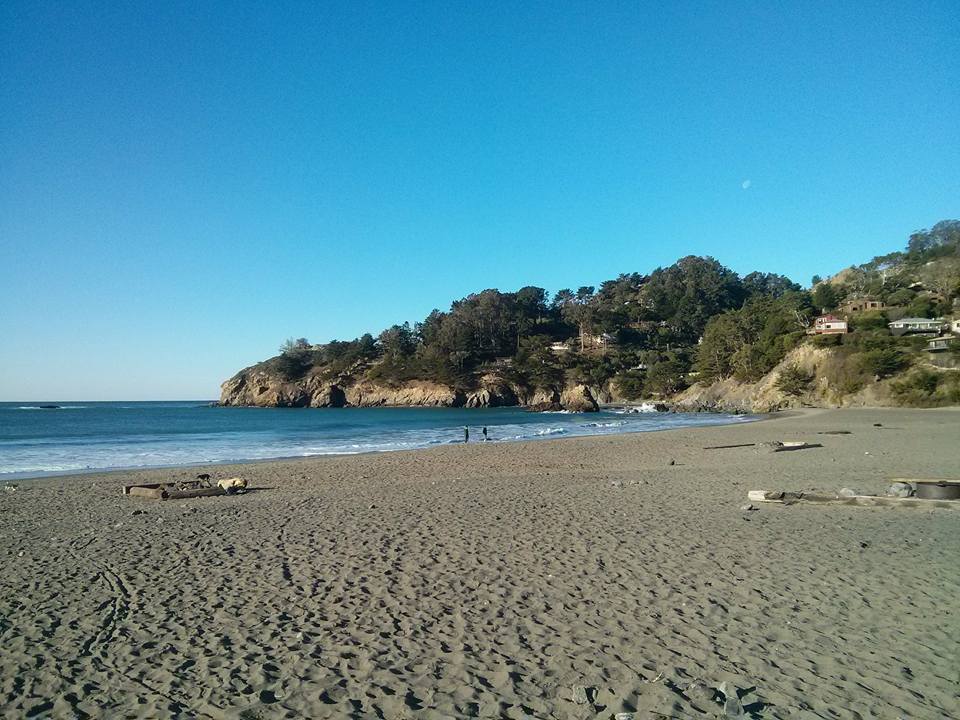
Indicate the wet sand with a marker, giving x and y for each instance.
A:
(490, 580)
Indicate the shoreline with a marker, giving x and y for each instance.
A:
(493, 579)
(52, 474)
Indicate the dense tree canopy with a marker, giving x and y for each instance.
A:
(645, 332)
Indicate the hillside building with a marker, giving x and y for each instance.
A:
(857, 305)
(828, 325)
(916, 326)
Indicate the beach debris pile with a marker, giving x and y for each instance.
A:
(182, 489)
(901, 493)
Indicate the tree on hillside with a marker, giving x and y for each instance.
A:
(397, 341)
(825, 297)
(749, 342)
(689, 292)
(530, 307)
(758, 283)
(291, 345)
(942, 240)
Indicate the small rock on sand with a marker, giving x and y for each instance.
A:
(900, 489)
(700, 694)
(580, 694)
(732, 708)
(847, 492)
(748, 506)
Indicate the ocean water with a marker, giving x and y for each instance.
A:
(79, 437)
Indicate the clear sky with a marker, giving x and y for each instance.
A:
(185, 185)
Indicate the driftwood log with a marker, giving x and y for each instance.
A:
(172, 491)
(790, 498)
(776, 446)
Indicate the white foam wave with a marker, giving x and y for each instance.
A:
(159, 448)
(50, 407)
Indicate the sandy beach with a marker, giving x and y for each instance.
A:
(490, 580)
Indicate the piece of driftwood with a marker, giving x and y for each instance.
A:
(775, 446)
(790, 498)
(950, 481)
(792, 445)
(173, 491)
(834, 432)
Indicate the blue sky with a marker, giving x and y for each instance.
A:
(184, 185)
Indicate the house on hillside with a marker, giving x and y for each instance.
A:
(955, 327)
(914, 326)
(559, 347)
(603, 340)
(940, 344)
(828, 325)
(856, 305)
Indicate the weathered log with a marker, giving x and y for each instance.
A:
(198, 492)
(789, 498)
(168, 491)
(724, 447)
(156, 493)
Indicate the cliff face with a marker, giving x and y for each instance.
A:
(830, 385)
(828, 388)
(259, 388)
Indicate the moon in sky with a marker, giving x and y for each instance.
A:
(746, 184)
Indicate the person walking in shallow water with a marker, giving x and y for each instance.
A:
(466, 434)
(485, 438)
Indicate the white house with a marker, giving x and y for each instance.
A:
(906, 326)
(828, 325)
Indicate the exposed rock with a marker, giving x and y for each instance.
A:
(901, 489)
(493, 392)
(578, 399)
(581, 695)
(732, 707)
(543, 396)
(701, 695)
(545, 407)
(847, 492)
(329, 396)
(417, 393)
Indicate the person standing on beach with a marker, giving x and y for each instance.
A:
(485, 438)
(466, 434)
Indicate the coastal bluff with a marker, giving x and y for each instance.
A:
(259, 387)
